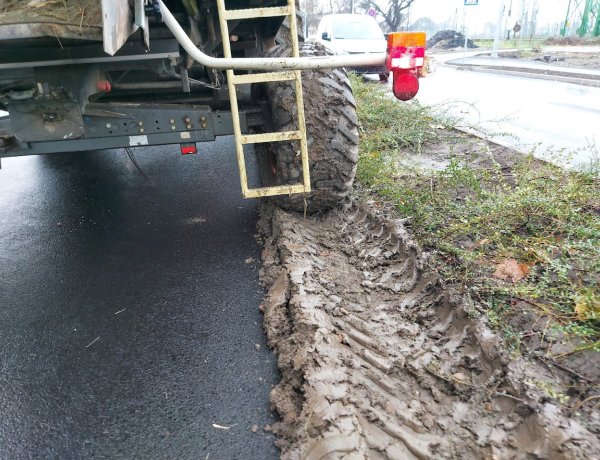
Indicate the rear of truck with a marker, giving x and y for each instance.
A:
(80, 75)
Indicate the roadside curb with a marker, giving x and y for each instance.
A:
(578, 79)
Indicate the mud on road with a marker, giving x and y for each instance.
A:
(379, 359)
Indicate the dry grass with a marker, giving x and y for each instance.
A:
(82, 13)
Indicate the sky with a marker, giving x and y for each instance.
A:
(550, 11)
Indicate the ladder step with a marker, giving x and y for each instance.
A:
(271, 137)
(264, 77)
(252, 13)
(272, 191)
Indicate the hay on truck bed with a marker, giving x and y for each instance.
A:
(75, 19)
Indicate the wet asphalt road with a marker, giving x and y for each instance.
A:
(129, 320)
(555, 120)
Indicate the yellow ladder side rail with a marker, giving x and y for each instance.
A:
(237, 131)
(299, 98)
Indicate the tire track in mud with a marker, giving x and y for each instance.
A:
(380, 360)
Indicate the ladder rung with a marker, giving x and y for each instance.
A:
(264, 77)
(271, 137)
(252, 13)
(271, 191)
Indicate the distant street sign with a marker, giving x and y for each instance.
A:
(471, 2)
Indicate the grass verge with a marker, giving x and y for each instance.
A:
(514, 231)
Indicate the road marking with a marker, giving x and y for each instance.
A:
(92, 342)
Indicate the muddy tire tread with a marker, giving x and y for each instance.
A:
(332, 134)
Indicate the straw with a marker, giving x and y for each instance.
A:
(80, 13)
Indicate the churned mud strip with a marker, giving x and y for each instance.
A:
(380, 360)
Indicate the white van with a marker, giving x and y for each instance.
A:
(353, 34)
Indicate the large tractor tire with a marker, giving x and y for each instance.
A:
(331, 131)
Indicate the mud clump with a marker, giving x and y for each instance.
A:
(449, 39)
(379, 359)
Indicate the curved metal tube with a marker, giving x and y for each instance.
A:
(290, 63)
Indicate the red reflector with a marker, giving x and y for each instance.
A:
(104, 85)
(187, 149)
(406, 85)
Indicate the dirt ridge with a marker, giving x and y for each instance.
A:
(380, 360)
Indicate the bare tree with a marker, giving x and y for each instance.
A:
(392, 14)
(314, 10)
(344, 6)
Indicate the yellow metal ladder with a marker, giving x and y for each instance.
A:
(233, 80)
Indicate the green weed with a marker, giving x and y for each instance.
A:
(471, 217)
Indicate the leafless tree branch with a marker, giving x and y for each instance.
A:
(392, 15)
